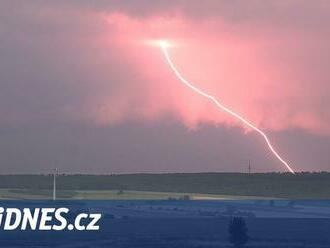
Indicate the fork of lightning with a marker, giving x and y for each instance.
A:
(164, 46)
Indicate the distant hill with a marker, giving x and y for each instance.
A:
(283, 185)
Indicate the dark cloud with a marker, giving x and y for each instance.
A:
(304, 14)
(56, 75)
(156, 147)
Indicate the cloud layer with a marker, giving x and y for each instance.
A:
(268, 60)
(90, 63)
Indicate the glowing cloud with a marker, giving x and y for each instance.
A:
(160, 43)
(164, 45)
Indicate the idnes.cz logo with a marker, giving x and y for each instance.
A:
(57, 219)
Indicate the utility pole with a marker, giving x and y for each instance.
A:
(249, 167)
(54, 184)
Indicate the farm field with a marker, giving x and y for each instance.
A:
(162, 186)
(35, 194)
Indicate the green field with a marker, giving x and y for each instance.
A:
(110, 194)
(163, 186)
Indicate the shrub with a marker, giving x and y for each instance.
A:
(238, 232)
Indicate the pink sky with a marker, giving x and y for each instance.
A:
(269, 74)
(91, 63)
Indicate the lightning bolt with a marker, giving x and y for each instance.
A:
(164, 45)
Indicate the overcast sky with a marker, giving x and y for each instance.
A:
(83, 89)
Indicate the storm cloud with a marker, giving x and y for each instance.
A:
(84, 66)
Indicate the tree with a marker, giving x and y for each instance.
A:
(237, 230)
(120, 192)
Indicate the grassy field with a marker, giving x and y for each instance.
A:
(11, 194)
(274, 185)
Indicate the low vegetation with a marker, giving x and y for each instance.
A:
(280, 185)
